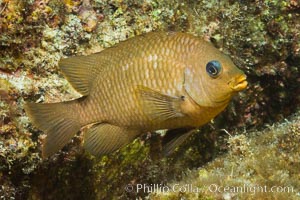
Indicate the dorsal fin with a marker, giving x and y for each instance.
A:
(80, 71)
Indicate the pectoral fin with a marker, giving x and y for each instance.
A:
(174, 138)
(159, 106)
(105, 138)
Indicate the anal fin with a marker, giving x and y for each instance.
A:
(106, 138)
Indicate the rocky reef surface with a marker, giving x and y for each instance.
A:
(261, 37)
(258, 165)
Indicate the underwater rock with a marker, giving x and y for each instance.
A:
(261, 37)
(264, 164)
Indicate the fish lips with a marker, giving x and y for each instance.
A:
(238, 83)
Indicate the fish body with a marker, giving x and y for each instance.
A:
(154, 81)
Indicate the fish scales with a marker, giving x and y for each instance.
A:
(122, 96)
(154, 81)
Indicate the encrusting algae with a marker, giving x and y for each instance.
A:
(159, 80)
(34, 38)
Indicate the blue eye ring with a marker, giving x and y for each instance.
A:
(213, 68)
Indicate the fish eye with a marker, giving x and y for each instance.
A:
(213, 68)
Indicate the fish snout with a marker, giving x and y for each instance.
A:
(238, 83)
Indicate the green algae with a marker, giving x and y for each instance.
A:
(267, 158)
(261, 37)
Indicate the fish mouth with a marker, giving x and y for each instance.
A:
(239, 83)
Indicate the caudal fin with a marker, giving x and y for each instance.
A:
(57, 120)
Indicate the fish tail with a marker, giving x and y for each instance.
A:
(58, 120)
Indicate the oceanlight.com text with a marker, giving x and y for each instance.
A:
(212, 188)
(253, 189)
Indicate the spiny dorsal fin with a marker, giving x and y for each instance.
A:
(159, 106)
(80, 71)
(105, 138)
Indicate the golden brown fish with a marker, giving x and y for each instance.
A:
(154, 81)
